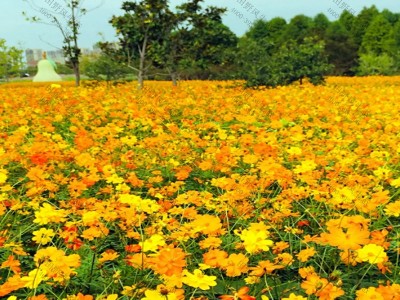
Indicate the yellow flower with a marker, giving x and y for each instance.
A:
(393, 209)
(156, 295)
(152, 243)
(90, 218)
(114, 178)
(294, 151)
(55, 86)
(252, 280)
(292, 296)
(34, 278)
(395, 182)
(255, 241)
(343, 195)
(372, 253)
(43, 236)
(49, 213)
(367, 294)
(305, 166)
(382, 173)
(3, 176)
(198, 280)
(129, 140)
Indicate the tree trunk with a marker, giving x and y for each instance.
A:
(77, 73)
(174, 78)
(142, 53)
(140, 75)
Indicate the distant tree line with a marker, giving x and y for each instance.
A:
(191, 42)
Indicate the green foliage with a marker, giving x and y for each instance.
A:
(103, 67)
(189, 41)
(275, 29)
(262, 65)
(361, 23)
(144, 26)
(371, 64)
(377, 37)
(319, 25)
(347, 19)
(259, 30)
(391, 17)
(10, 60)
(340, 48)
(298, 28)
(64, 69)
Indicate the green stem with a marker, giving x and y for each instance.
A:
(91, 271)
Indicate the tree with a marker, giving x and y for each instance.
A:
(291, 62)
(10, 60)
(153, 36)
(104, 68)
(396, 35)
(66, 18)
(347, 19)
(371, 64)
(298, 28)
(361, 23)
(396, 44)
(377, 37)
(391, 17)
(306, 61)
(254, 59)
(340, 48)
(141, 28)
(259, 30)
(319, 26)
(275, 29)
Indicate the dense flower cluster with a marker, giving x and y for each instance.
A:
(202, 191)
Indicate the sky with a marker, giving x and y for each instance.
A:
(17, 31)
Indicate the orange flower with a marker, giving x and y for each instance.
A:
(12, 263)
(352, 239)
(138, 261)
(169, 261)
(264, 267)
(12, 284)
(80, 296)
(38, 297)
(108, 255)
(313, 283)
(279, 247)
(207, 224)
(236, 264)
(240, 294)
(305, 254)
(215, 258)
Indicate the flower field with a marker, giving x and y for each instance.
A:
(202, 191)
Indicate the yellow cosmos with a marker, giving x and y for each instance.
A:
(43, 236)
(293, 296)
(372, 253)
(199, 280)
(3, 176)
(156, 295)
(305, 166)
(34, 278)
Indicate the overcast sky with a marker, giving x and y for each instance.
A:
(19, 32)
